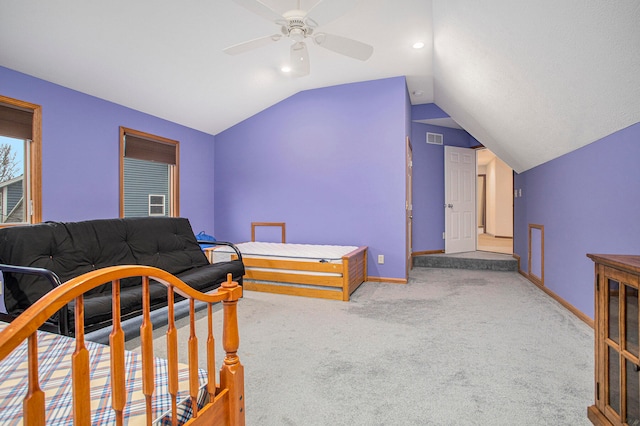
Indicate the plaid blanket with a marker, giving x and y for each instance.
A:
(54, 353)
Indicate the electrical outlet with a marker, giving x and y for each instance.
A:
(443, 237)
(381, 259)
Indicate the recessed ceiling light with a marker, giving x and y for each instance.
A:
(286, 69)
(418, 45)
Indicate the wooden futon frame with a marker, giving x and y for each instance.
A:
(225, 402)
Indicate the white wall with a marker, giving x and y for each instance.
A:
(482, 170)
(499, 198)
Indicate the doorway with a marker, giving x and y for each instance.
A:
(495, 203)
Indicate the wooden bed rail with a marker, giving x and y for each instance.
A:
(226, 401)
(281, 225)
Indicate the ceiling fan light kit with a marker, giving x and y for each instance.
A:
(299, 25)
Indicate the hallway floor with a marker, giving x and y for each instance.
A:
(490, 243)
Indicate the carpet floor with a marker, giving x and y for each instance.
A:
(452, 347)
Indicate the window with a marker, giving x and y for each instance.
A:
(156, 205)
(20, 162)
(148, 175)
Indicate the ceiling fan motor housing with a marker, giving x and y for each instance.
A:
(295, 26)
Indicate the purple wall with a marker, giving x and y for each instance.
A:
(427, 111)
(588, 202)
(428, 177)
(329, 162)
(80, 149)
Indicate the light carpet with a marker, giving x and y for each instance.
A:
(452, 347)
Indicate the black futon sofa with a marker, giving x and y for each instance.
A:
(55, 252)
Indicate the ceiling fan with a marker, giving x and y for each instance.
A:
(298, 25)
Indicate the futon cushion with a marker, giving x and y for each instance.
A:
(166, 244)
(98, 306)
(68, 250)
(73, 248)
(210, 276)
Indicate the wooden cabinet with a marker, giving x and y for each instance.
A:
(617, 341)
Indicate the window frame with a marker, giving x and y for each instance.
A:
(33, 163)
(174, 169)
(151, 205)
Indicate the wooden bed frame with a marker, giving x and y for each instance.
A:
(352, 272)
(225, 405)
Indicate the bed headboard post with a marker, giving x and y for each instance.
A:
(256, 224)
(232, 371)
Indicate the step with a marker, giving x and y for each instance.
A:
(471, 260)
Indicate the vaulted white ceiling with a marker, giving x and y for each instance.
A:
(533, 80)
(530, 80)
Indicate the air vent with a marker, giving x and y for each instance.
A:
(434, 138)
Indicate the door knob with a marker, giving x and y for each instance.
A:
(450, 206)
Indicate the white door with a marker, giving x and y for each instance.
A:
(460, 199)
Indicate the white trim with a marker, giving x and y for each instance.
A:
(154, 206)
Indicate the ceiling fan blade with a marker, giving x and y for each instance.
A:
(299, 59)
(344, 46)
(326, 11)
(261, 9)
(251, 44)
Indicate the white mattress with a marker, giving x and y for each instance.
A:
(306, 252)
